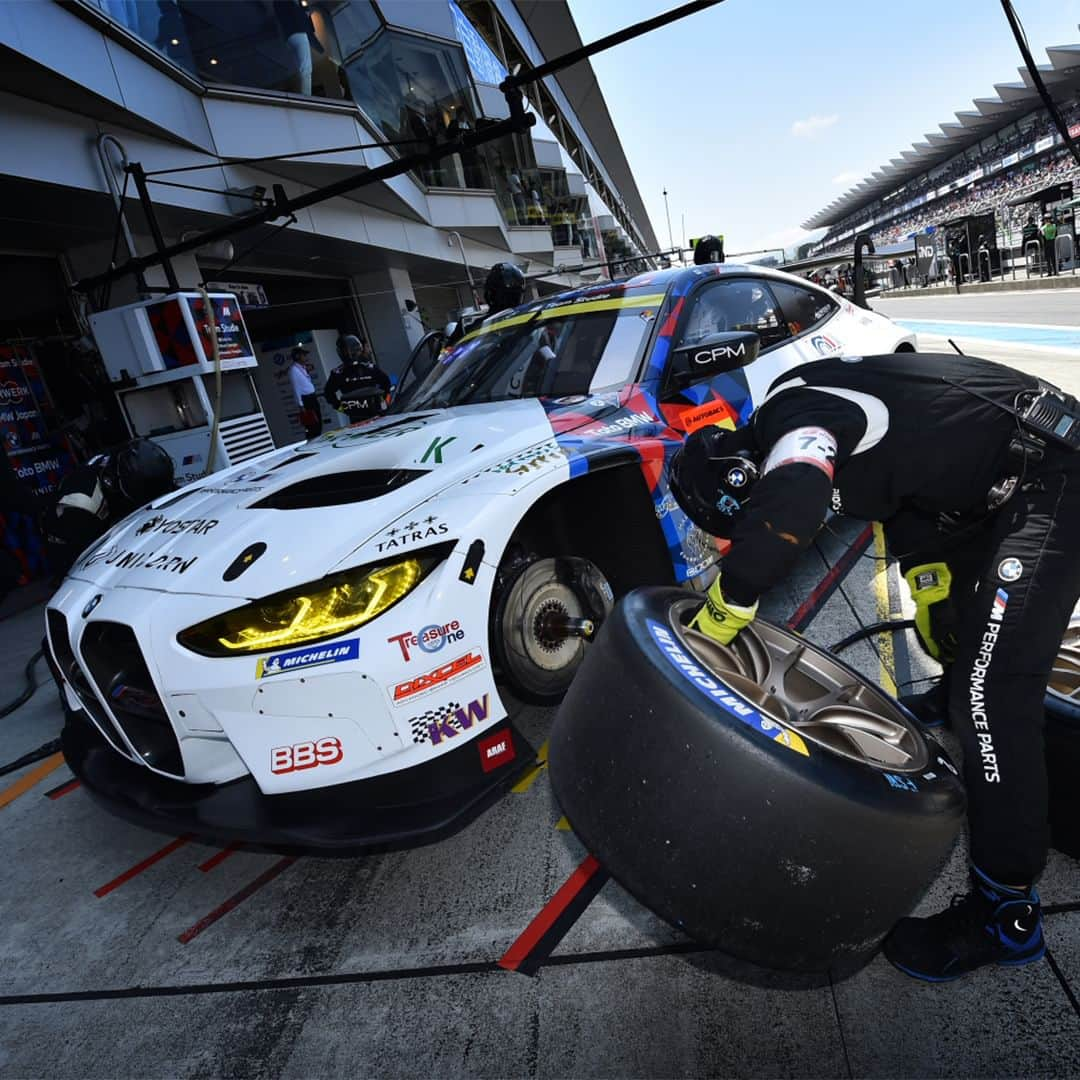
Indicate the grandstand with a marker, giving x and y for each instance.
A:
(1006, 159)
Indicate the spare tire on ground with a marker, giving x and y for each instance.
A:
(763, 798)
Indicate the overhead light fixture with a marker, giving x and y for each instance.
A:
(213, 61)
(174, 41)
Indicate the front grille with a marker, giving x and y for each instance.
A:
(71, 670)
(118, 668)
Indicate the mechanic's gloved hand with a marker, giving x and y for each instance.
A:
(720, 619)
(936, 617)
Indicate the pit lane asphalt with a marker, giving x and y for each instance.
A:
(387, 965)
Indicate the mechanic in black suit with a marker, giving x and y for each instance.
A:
(98, 494)
(357, 387)
(934, 447)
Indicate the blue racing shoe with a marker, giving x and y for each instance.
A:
(992, 924)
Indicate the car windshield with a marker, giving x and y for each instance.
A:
(553, 351)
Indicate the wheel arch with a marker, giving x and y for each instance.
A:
(606, 516)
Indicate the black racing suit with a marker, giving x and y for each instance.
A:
(358, 390)
(80, 514)
(920, 455)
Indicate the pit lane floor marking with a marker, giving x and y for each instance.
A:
(63, 789)
(529, 778)
(823, 590)
(219, 858)
(25, 783)
(540, 938)
(236, 899)
(1040, 336)
(346, 978)
(139, 867)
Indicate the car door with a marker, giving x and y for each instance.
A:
(715, 307)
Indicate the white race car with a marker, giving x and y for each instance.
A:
(307, 650)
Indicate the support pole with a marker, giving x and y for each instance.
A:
(136, 172)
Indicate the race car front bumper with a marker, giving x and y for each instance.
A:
(402, 809)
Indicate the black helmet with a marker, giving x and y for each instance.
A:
(137, 473)
(712, 477)
(504, 287)
(346, 344)
(709, 249)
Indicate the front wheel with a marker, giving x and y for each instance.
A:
(545, 614)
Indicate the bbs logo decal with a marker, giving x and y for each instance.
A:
(306, 755)
(437, 725)
(432, 680)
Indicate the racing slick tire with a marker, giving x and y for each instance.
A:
(1062, 738)
(764, 798)
(537, 655)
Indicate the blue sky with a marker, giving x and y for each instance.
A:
(756, 113)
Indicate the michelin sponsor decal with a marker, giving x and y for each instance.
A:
(976, 688)
(315, 656)
(717, 692)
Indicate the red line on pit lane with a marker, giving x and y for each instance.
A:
(518, 953)
(62, 789)
(821, 592)
(138, 868)
(236, 899)
(220, 857)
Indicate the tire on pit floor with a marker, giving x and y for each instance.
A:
(785, 846)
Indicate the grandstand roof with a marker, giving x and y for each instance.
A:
(1012, 100)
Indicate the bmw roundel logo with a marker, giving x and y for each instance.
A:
(1010, 569)
(736, 477)
(91, 605)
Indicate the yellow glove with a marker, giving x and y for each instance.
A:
(935, 614)
(720, 619)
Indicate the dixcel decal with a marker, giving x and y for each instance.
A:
(306, 755)
(437, 725)
(314, 656)
(430, 639)
(717, 692)
(434, 680)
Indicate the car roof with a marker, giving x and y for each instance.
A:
(653, 281)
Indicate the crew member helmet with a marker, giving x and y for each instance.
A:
(504, 287)
(709, 249)
(137, 473)
(712, 477)
(351, 348)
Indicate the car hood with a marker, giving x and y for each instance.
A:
(299, 512)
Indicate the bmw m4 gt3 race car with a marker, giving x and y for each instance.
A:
(312, 650)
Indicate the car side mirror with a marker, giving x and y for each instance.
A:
(716, 354)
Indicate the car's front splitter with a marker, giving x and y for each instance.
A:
(396, 810)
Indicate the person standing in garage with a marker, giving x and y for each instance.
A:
(940, 449)
(303, 390)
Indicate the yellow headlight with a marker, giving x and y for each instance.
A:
(323, 609)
